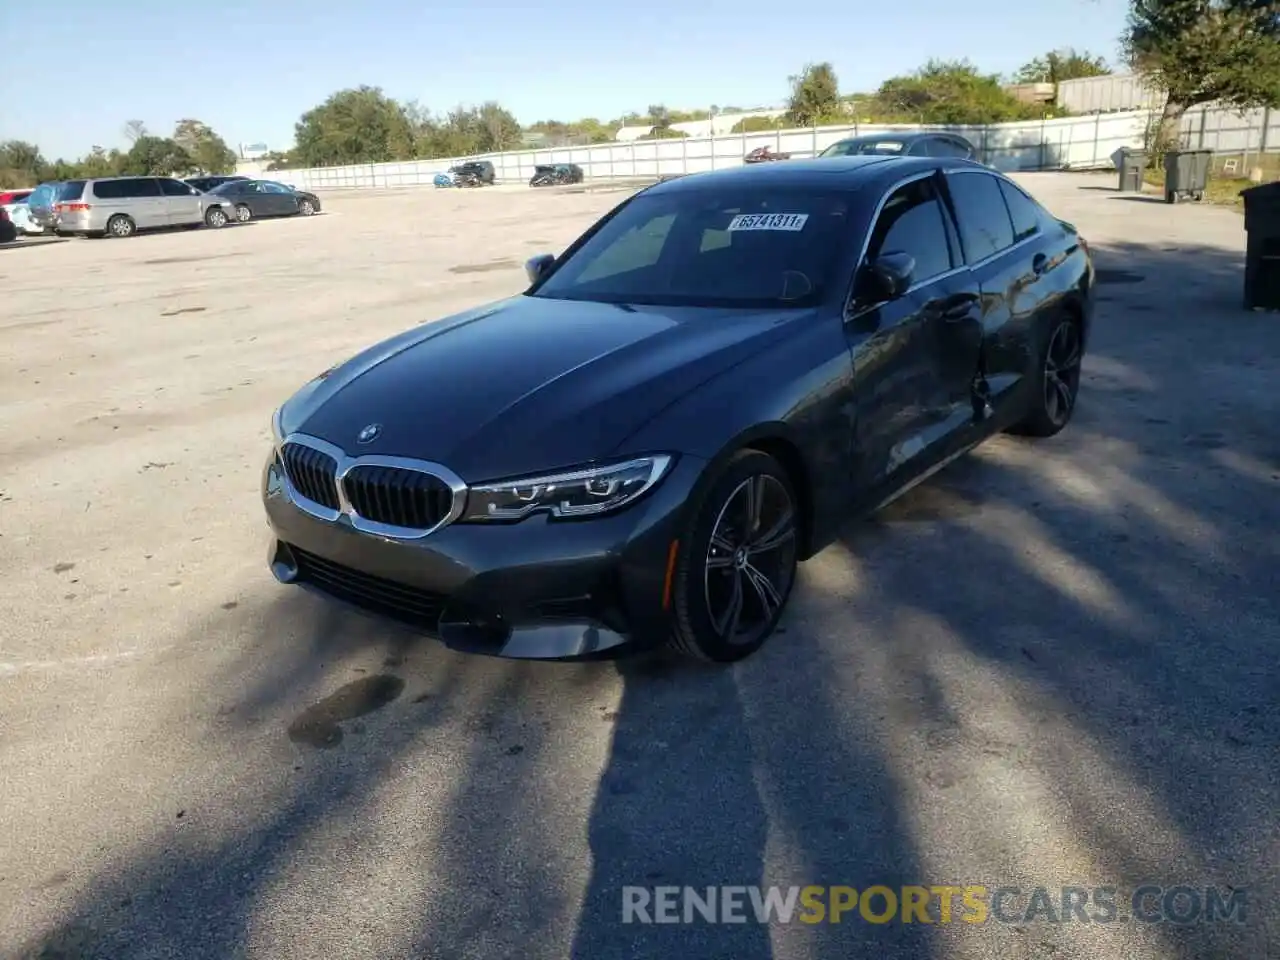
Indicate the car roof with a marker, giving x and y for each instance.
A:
(840, 173)
(906, 136)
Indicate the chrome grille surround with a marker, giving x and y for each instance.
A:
(345, 509)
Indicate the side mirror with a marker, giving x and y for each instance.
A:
(888, 277)
(538, 267)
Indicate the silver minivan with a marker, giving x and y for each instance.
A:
(121, 206)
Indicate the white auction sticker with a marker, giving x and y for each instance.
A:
(791, 222)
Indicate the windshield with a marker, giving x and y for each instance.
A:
(710, 248)
(849, 148)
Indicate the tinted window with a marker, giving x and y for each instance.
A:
(126, 189)
(269, 187)
(70, 190)
(920, 149)
(174, 188)
(849, 148)
(943, 147)
(227, 189)
(1024, 211)
(710, 248)
(913, 222)
(985, 228)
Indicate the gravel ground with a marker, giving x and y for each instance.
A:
(1054, 664)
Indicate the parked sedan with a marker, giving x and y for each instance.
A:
(266, 198)
(683, 405)
(555, 174)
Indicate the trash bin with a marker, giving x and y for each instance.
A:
(1132, 164)
(1262, 252)
(1186, 173)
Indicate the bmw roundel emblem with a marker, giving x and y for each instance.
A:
(369, 433)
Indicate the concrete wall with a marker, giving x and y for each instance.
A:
(1078, 143)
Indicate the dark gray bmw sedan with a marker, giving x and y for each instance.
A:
(684, 404)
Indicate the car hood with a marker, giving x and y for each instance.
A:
(527, 384)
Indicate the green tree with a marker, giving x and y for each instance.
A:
(208, 151)
(815, 95)
(359, 125)
(662, 120)
(1201, 51)
(1059, 65)
(950, 92)
(756, 124)
(21, 164)
(496, 129)
(156, 156)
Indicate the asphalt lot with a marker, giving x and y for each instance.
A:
(1054, 664)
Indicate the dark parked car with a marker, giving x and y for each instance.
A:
(940, 145)
(764, 155)
(555, 174)
(474, 173)
(266, 198)
(205, 184)
(686, 402)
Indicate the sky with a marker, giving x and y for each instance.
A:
(250, 69)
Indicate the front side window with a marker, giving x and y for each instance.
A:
(729, 248)
(913, 222)
(983, 218)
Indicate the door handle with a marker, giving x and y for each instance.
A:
(956, 308)
(1039, 264)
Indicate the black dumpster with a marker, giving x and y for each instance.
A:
(1262, 254)
(1132, 164)
(1186, 174)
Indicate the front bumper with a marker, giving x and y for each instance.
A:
(537, 589)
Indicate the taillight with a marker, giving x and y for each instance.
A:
(71, 207)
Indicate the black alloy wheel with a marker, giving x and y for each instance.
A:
(1059, 381)
(736, 569)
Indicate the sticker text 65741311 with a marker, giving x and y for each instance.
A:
(790, 222)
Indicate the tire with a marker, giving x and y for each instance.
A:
(1057, 381)
(713, 567)
(243, 213)
(215, 218)
(8, 232)
(121, 226)
(306, 208)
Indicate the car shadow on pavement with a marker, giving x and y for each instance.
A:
(1101, 613)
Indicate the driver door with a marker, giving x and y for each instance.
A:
(277, 199)
(912, 403)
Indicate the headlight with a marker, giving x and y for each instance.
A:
(579, 493)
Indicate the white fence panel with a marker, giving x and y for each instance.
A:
(1077, 143)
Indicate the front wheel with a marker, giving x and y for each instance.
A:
(215, 217)
(1057, 383)
(306, 208)
(735, 569)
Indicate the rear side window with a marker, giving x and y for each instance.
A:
(1024, 211)
(983, 218)
(944, 147)
(71, 190)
